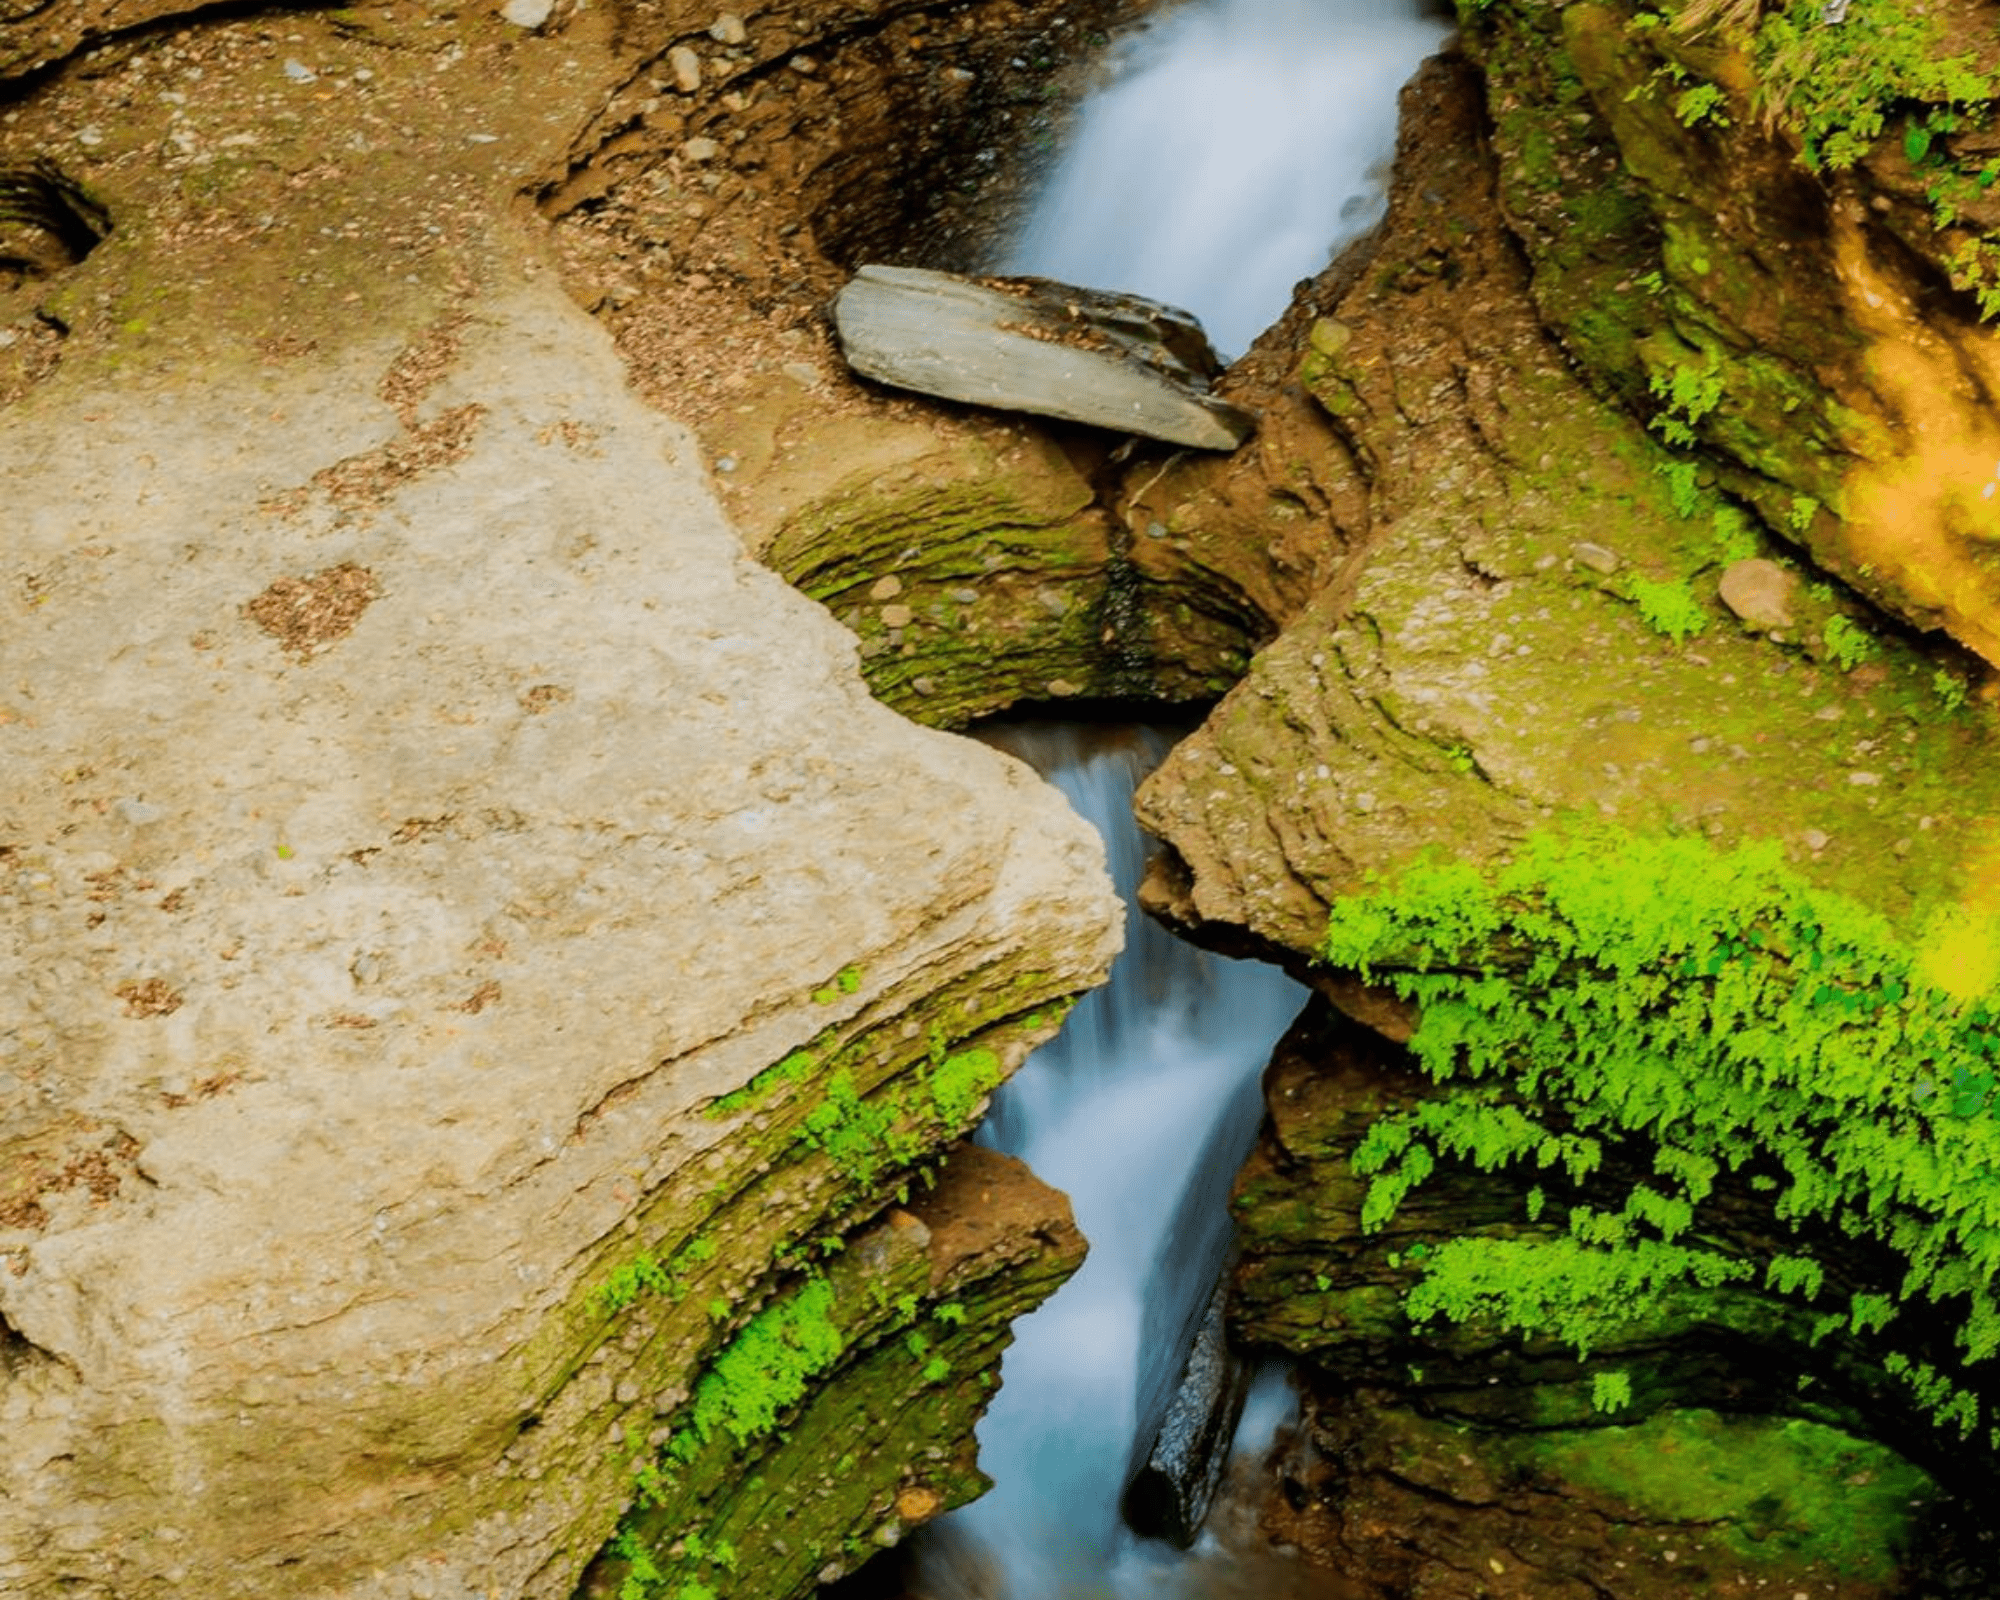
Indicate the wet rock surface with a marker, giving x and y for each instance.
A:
(1169, 1496)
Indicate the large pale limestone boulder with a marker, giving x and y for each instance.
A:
(440, 873)
(399, 852)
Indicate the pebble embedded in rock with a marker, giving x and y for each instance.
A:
(1759, 592)
(886, 588)
(686, 68)
(728, 29)
(897, 616)
(1596, 557)
(529, 14)
(700, 149)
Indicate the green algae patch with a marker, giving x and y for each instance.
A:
(1781, 1493)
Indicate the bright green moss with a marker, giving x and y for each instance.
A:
(1781, 1492)
(765, 1369)
(1707, 1016)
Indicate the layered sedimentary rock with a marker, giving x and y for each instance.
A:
(1524, 636)
(473, 947)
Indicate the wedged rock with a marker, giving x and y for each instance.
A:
(1169, 1496)
(1029, 344)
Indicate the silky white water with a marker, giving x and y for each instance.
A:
(1147, 1097)
(1236, 147)
(1239, 145)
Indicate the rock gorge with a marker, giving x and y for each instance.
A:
(494, 971)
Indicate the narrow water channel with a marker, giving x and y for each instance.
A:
(1235, 148)
(1141, 1111)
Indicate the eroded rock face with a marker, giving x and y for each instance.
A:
(1471, 667)
(728, 215)
(1522, 633)
(443, 873)
(1804, 313)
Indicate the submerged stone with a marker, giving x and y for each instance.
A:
(1169, 1496)
(1029, 344)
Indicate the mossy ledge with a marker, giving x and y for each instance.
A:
(840, 1414)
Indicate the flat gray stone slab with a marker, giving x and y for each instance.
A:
(1028, 344)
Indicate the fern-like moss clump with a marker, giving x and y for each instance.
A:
(1730, 1097)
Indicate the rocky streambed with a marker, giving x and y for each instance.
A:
(490, 975)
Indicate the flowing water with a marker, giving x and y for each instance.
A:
(1238, 144)
(1141, 1111)
(1238, 147)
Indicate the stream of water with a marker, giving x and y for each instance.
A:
(1235, 146)
(1140, 1110)
(1238, 146)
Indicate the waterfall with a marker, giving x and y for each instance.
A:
(1239, 145)
(1141, 1110)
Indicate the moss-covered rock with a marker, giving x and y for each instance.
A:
(839, 1416)
(1768, 236)
(1528, 638)
(1694, 1502)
